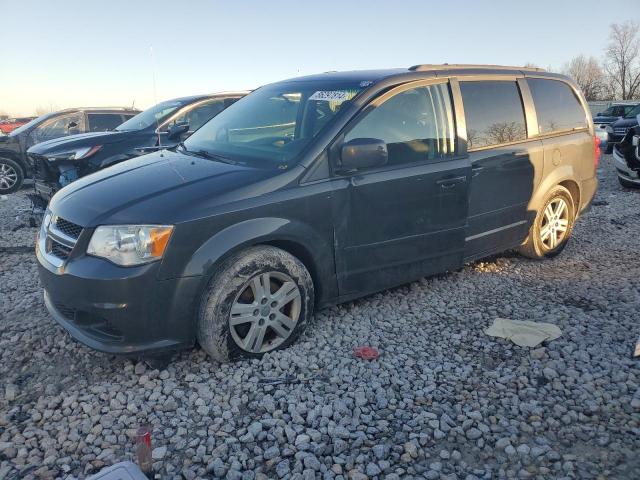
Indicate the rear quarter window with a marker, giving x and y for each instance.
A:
(102, 122)
(493, 112)
(557, 106)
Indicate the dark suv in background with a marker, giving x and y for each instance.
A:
(14, 166)
(617, 130)
(57, 163)
(314, 191)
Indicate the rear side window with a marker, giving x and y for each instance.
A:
(102, 122)
(557, 106)
(493, 112)
(416, 125)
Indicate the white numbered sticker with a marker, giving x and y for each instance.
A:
(331, 95)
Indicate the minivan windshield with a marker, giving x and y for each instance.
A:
(274, 123)
(634, 112)
(150, 116)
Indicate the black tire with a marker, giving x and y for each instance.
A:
(608, 149)
(232, 280)
(11, 176)
(533, 246)
(627, 183)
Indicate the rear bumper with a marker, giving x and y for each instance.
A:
(120, 310)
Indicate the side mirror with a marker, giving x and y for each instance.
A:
(177, 129)
(72, 125)
(363, 153)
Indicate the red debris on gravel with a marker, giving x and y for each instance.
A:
(366, 353)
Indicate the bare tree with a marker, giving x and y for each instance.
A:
(588, 74)
(622, 62)
(42, 109)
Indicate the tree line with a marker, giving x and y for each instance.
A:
(617, 75)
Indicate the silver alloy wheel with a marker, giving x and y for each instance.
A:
(555, 223)
(265, 312)
(8, 176)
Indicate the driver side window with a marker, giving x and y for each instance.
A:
(56, 127)
(416, 124)
(197, 116)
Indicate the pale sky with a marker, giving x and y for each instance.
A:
(98, 53)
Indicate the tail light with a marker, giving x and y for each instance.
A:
(596, 151)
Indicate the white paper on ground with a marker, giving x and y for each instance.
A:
(522, 332)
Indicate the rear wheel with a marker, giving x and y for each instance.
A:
(11, 176)
(552, 227)
(258, 300)
(627, 183)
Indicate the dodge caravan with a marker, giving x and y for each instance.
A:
(314, 191)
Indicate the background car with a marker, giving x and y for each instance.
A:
(613, 113)
(10, 124)
(626, 157)
(57, 163)
(616, 131)
(14, 166)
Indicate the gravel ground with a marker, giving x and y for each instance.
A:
(442, 401)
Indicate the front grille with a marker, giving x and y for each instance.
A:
(59, 250)
(620, 130)
(58, 238)
(68, 228)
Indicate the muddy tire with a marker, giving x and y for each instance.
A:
(552, 227)
(258, 300)
(11, 176)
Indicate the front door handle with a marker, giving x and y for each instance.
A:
(451, 182)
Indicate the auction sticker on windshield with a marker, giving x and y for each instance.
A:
(333, 95)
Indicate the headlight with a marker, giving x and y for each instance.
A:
(129, 245)
(76, 154)
(609, 129)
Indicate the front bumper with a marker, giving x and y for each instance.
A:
(623, 170)
(119, 310)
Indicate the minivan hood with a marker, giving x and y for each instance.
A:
(79, 140)
(164, 187)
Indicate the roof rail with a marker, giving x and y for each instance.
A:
(458, 66)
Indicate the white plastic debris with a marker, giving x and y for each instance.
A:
(636, 352)
(120, 471)
(522, 332)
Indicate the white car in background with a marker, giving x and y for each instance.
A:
(626, 158)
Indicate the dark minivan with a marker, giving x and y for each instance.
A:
(314, 191)
(57, 163)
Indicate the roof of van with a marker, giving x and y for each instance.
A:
(425, 70)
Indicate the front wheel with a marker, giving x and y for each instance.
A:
(257, 301)
(552, 227)
(11, 176)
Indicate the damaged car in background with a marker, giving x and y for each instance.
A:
(14, 167)
(59, 162)
(626, 157)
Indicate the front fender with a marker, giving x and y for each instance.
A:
(313, 248)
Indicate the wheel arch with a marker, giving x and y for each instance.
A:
(296, 238)
(564, 176)
(16, 158)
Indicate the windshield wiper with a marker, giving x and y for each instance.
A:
(208, 155)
